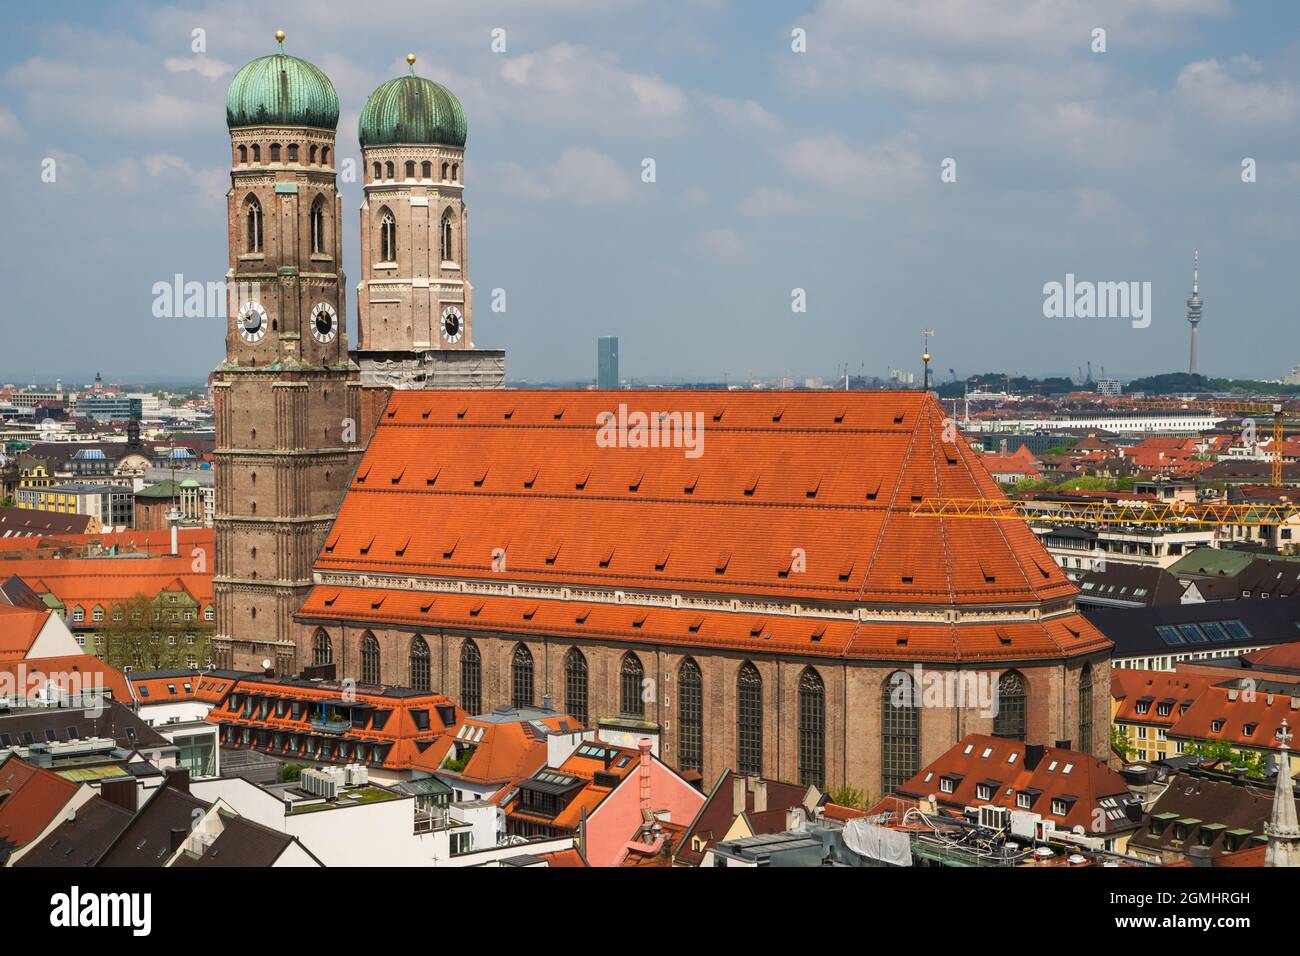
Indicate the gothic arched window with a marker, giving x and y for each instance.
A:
(1010, 718)
(690, 716)
(369, 659)
(900, 732)
(1085, 709)
(749, 720)
(521, 677)
(318, 225)
(812, 728)
(253, 220)
(575, 684)
(471, 678)
(419, 663)
(447, 249)
(631, 676)
(387, 237)
(322, 648)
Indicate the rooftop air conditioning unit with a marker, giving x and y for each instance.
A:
(995, 818)
(357, 775)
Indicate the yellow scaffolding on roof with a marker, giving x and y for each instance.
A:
(1106, 512)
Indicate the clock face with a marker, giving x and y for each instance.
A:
(453, 326)
(251, 321)
(324, 322)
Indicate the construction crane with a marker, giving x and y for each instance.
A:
(1106, 512)
(1229, 409)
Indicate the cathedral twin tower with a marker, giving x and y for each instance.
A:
(294, 407)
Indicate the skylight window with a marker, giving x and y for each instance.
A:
(986, 753)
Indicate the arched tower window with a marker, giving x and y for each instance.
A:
(257, 153)
(253, 222)
(631, 676)
(521, 677)
(419, 663)
(900, 732)
(455, 172)
(812, 728)
(325, 155)
(1010, 719)
(575, 684)
(749, 720)
(275, 152)
(446, 170)
(378, 172)
(426, 170)
(322, 648)
(243, 154)
(293, 152)
(410, 169)
(369, 659)
(318, 225)
(311, 154)
(1084, 742)
(387, 237)
(388, 170)
(690, 716)
(471, 678)
(447, 237)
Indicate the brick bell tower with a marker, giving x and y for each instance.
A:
(287, 398)
(415, 318)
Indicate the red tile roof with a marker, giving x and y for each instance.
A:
(503, 751)
(85, 671)
(1136, 688)
(1080, 779)
(19, 628)
(35, 797)
(1061, 636)
(451, 477)
(401, 732)
(1249, 718)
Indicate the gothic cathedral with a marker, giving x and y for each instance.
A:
(293, 408)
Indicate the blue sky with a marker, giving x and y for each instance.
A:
(776, 170)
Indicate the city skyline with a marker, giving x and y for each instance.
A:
(775, 171)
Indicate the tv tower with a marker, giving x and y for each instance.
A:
(1194, 307)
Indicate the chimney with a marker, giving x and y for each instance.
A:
(548, 702)
(644, 746)
(178, 778)
(760, 795)
(1034, 756)
(122, 793)
(176, 838)
(737, 794)
(1198, 855)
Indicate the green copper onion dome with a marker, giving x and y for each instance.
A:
(281, 90)
(411, 109)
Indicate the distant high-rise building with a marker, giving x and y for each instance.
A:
(607, 361)
(1194, 307)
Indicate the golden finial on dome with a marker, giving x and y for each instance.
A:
(410, 58)
(279, 37)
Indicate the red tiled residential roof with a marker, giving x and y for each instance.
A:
(19, 628)
(504, 752)
(1249, 718)
(1133, 688)
(35, 797)
(1005, 769)
(85, 669)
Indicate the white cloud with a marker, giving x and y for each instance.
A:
(1227, 93)
(722, 244)
(881, 170)
(771, 201)
(205, 66)
(576, 86)
(740, 114)
(580, 176)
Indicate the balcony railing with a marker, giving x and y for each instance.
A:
(324, 725)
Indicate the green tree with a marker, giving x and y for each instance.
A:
(850, 797)
(143, 634)
(1120, 743)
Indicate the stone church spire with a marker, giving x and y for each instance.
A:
(1283, 830)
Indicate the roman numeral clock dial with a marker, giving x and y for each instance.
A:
(251, 321)
(324, 323)
(453, 325)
